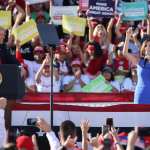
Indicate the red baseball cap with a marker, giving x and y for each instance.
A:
(24, 142)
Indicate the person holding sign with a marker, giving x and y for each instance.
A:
(142, 94)
(107, 72)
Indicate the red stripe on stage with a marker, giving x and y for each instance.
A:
(79, 97)
(115, 108)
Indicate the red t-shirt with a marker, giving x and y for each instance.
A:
(95, 65)
(21, 3)
(121, 63)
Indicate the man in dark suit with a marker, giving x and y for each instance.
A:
(7, 58)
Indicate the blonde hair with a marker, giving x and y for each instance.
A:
(98, 27)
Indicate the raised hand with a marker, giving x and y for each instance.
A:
(129, 33)
(43, 125)
(3, 102)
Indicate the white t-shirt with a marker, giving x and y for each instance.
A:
(115, 84)
(77, 87)
(33, 67)
(29, 81)
(63, 67)
(127, 84)
(2, 128)
(45, 85)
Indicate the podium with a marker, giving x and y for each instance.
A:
(11, 84)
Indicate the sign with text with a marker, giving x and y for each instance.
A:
(133, 11)
(84, 4)
(31, 2)
(5, 19)
(56, 13)
(74, 25)
(97, 85)
(101, 8)
(25, 32)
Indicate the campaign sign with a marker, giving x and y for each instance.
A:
(25, 32)
(74, 25)
(101, 8)
(56, 13)
(97, 85)
(133, 11)
(5, 19)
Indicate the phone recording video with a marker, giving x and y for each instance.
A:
(31, 121)
(109, 122)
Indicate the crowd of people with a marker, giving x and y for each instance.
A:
(77, 60)
(116, 49)
(108, 48)
(67, 138)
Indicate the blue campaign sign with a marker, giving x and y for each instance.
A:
(101, 8)
(133, 11)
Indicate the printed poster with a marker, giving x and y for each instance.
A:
(25, 32)
(5, 19)
(56, 13)
(101, 8)
(97, 85)
(74, 25)
(133, 11)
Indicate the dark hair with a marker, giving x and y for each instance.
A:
(98, 51)
(109, 70)
(68, 128)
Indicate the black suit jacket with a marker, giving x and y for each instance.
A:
(6, 57)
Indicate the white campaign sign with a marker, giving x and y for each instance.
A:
(56, 13)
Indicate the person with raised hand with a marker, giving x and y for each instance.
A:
(52, 139)
(132, 137)
(142, 94)
(85, 125)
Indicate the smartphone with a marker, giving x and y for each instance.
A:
(109, 122)
(31, 121)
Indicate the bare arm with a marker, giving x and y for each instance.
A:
(117, 27)
(91, 30)
(129, 56)
(109, 29)
(28, 13)
(20, 16)
(3, 102)
(69, 43)
(148, 25)
(132, 137)
(84, 128)
(39, 73)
